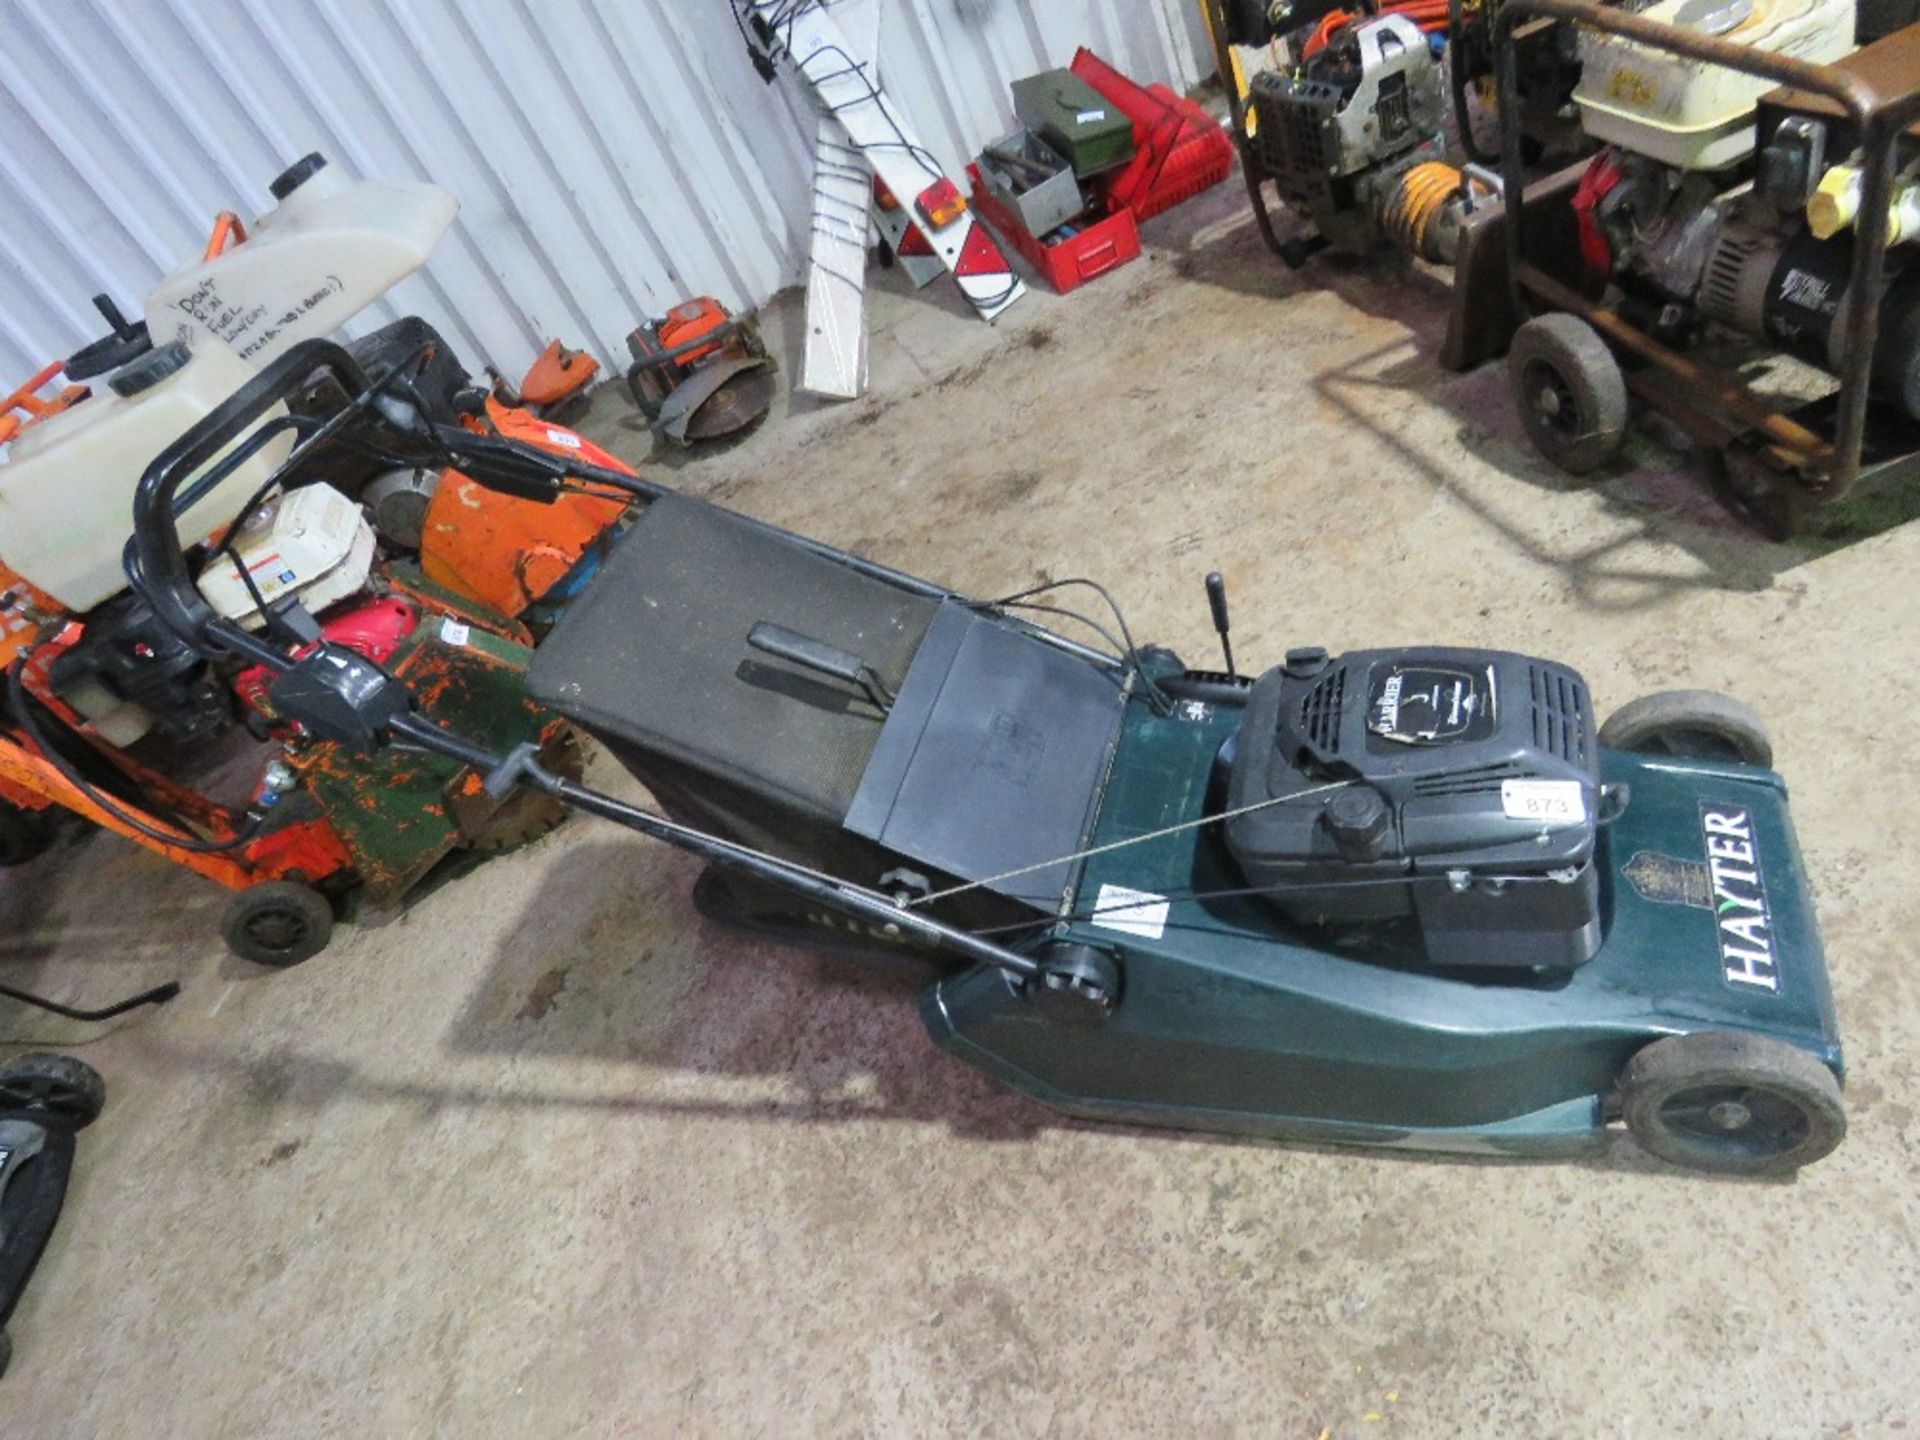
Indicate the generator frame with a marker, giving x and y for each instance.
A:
(1296, 250)
(1797, 464)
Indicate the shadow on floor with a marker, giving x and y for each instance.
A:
(1661, 485)
(88, 924)
(611, 964)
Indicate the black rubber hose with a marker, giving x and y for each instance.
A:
(20, 703)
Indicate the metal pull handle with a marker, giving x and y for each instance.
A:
(817, 655)
(805, 650)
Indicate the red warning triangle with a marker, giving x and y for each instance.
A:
(980, 256)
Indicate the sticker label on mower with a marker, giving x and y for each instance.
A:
(1743, 920)
(1131, 912)
(565, 438)
(1551, 802)
(454, 632)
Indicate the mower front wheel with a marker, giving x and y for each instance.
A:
(1731, 1103)
(279, 923)
(64, 1089)
(1690, 725)
(1571, 394)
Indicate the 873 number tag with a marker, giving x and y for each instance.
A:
(1550, 802)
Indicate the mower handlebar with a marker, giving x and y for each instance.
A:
(157, 566)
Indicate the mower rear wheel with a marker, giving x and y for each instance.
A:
(1731, 1103)
(64, 1089)
(278, 923)
(1571, 394)
(1690, 725)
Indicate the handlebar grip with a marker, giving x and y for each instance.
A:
(1217, 600)
(805, 651)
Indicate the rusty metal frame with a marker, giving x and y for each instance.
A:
(1830, 467)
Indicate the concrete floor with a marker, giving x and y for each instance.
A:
(544, 1155)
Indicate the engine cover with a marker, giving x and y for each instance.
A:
(1458, 787)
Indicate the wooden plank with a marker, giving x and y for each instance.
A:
(833, 362)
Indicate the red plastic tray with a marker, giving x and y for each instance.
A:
(1067, 264)
(1178, 149)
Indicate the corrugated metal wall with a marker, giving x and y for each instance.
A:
(611, 156)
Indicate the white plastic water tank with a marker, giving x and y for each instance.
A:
(66, 485)
(329, 248)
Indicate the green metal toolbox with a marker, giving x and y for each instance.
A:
(1075, 119)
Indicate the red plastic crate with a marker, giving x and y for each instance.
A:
(1067, 264)
(1178, 149)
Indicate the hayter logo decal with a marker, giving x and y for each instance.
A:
(1739, 892)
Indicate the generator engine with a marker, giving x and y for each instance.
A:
(1458, 788)
(1352, 137)
(1721, 199)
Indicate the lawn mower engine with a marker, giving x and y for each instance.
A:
(1456, 787)
(126, 674)
(1351, 135)
(1717, 201)
(698, 373)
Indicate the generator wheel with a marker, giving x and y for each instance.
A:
(1731, 1103)
(278, 923)
(1690, 725)
(67, 1090)
(24, 834)
(1571, 394)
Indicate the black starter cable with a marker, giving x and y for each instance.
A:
(21, 706)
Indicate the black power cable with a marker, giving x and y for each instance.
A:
(20, 703)
(1130, 652)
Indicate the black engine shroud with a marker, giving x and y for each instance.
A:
(1458, 787)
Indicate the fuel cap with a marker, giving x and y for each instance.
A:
(1357, 819)
(1306, 660)
(150, 369)
(297, 174)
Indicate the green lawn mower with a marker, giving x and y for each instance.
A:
(1410, 898)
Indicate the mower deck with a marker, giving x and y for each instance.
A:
(1231, 1021)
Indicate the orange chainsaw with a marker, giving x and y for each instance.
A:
(699, 373)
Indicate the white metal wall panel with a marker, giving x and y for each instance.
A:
(611, 156)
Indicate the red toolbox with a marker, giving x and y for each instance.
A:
(1103, 245)
(1179, 149)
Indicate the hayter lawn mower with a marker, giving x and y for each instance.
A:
(1402, 897)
